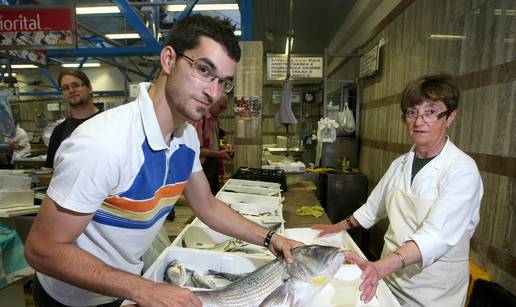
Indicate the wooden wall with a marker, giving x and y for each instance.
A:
(485, 62)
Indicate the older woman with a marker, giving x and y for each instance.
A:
(431, 196)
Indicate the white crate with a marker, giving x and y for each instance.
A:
(10, 198)
(343, 289)
(199, 235)
(250, 199)
(201, 261)
(14, 181)
(252, 187)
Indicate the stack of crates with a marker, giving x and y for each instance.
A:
(268, 175)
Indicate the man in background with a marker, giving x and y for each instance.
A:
(77, 92)
(213, 153)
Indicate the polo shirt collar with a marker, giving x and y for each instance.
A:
(149, 119)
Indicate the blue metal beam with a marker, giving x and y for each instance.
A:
(135, 21)
(51, 79)
(246, 19)
(103, 52)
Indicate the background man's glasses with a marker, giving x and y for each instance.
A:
(428, 116)
(71, 86)
(204, 73)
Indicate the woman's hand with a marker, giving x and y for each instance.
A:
(370, 275)
(329, 228)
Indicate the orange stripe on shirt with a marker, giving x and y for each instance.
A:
(145, 205)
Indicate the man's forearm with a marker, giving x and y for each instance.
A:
(71, 264)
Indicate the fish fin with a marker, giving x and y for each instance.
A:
(281, 296)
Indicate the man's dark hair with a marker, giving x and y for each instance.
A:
(440, 87)
(186, 32)
(76, 73)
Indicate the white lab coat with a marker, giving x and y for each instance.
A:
(20, 138)
(439, 212)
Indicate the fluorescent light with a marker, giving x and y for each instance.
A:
(122, 35)
(75, 65)
(7, 74)
(22, 66)
(85, 10)
(203, 7)
(238, 32)
(291, 44)
(448, 37)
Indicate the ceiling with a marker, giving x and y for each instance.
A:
(314, 23)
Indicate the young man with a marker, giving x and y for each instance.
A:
(77, 92)
(121, 172)
(212, 154)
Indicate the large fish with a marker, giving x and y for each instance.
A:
(278, 283)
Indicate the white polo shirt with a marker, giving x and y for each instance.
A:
(117, 165)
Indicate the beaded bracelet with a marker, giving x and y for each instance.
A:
(268, 238)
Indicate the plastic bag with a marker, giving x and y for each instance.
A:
(346, 121)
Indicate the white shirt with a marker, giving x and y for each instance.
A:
(118, 166)
(21, 139)
(453, 179)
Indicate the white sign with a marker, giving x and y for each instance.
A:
(133, 90)
(301, 67)
(276, 97)
(370, 62)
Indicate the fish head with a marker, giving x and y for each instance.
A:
(314, 266)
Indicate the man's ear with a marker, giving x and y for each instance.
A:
(168, 58)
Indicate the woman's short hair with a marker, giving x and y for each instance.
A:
(440, 87)
(76, 73)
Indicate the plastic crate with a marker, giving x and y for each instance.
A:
(268, 175)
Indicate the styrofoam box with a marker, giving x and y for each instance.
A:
(201, 261)
(203, 236)
(343, 289)
(252, 187)
(16, 198)
(14, 181)
(262, 221)
(251, 199)
(293, 167)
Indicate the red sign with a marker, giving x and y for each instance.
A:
(21, 20)
(43, 28)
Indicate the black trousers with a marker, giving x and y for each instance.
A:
(43, 299)
(211, 170)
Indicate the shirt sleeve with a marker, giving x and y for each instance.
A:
(454, 214)
(85, 173)
(374, 209)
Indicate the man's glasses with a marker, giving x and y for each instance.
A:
(71, 86)
(204, 73)
(428, 116)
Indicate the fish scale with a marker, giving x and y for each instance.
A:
(264, 282)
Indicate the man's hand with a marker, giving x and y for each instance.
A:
(226, 154)
(282, 245)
